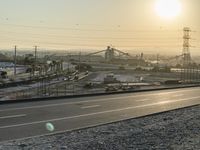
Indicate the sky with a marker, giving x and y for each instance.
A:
(131, 25)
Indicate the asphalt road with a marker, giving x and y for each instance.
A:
(22, 120)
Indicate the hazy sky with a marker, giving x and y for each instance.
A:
(94, 24)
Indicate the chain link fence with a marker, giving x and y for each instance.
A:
(45, 88)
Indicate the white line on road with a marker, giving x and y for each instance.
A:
(164, 99)
(178, 95)
(13, 116)
(92, 106)
(90, 101)
(143, 100)
(98, 113)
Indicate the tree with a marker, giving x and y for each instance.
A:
(29, 59)
(3, 74)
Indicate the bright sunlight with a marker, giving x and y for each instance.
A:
(168, 8)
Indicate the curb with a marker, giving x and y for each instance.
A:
(91, 95)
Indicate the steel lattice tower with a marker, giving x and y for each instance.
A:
(186, 46)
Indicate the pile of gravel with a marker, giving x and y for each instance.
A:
(178, 129)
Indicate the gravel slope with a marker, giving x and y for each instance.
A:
(178, 129)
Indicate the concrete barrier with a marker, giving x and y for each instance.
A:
(95, 94)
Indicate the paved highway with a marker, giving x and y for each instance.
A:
(22, 120)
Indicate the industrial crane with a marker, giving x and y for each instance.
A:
(111, 53)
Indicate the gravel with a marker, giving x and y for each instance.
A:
(178, 130)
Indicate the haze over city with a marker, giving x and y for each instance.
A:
(133, 25)
(99, 74)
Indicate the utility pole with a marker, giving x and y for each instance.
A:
(68, 62)
(36, 54)
(15, 59)
(79, 68)
(35, 63)
(157, 60)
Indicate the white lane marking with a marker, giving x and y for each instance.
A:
(90, 101)
(92, 106)
(157, 99)
(167, 93)
(178, 95)
(13, 116)
(71, 103)
(164, 99)
(97, 113)
(143, 100)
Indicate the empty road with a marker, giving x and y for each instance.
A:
(22, 120)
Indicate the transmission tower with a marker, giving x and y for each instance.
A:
(186, 46)
(187, 70)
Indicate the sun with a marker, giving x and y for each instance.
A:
(168, 8)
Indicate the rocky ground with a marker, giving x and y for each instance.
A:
(178, 130)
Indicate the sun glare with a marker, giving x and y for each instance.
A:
(168, 8)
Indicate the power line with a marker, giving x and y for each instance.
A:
(102, 45)
(81, 38)
(139, 41)
(94, 37)
(36, 41)
(79, 29)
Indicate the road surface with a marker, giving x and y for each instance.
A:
(22, 120)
